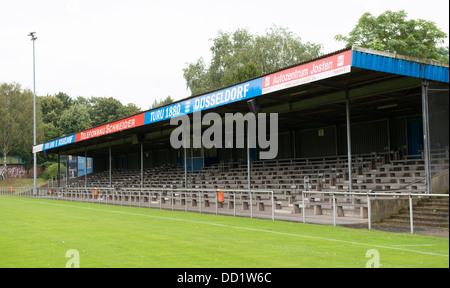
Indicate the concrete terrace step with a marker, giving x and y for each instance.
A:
(431, 212)
(404, 223)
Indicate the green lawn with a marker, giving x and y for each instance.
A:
(38, 233)
(22, 182)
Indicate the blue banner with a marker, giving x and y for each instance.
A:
(59, 142)
(218, 98)
(240, 92)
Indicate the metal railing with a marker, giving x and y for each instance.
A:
(207, 200)
(367, 195)
(192, 200)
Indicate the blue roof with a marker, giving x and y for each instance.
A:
(396, 64)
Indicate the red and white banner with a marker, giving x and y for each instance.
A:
(309, 72)
(117, 126)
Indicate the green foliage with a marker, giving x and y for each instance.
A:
(16, 125)
(74, 119)
(65, 99)
(393, 32)
(161, 102)
(52, 107)
(64, 115)
(240, 56)
(106, 110)
(51, 170)
(247, 71)
(57, 115)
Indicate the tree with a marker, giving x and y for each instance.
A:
(240, 56)
(392, 32)
(104, 110)
(52, 171)
(74, 119)
(16, 126)
(52, 108)
(132, 109)
(65, 99)
(161, 102)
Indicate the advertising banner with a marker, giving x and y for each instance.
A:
(121, 125)
(55, 143)
(317, 70)
(229, 95)
(309, 72)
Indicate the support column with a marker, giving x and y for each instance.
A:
(142, 164)
(249, 168)
(185, 167)
(349, 141)
(110, 168)
(59, 170)
(426, 135)
(67, 170)
(85, 166)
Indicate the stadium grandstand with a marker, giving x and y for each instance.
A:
(355, 122)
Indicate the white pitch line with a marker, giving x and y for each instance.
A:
(418, 245)
(238, 227)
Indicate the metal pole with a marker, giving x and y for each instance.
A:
(33, 38)
(67, 170)
(334, 210)
(59, 171)
(200, 195)
(234, 203)
(142, 165)
(303, 207)
(217, 203)
(273, 208)
(85, 166)
(411, 214)
(185, 167)
(110, 164)
(349, 146)
(251, 204)
(369, 213)
(426, 135)
(248, 162)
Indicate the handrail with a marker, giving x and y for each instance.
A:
(89, 193)
(368, 194)
(104, 193)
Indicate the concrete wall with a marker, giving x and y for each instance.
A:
(439, 184)
(384, 208)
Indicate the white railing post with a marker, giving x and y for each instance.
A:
(303, 207)
(334, 210)
(234, 203)
(369, 212)
(411, 214)
(273, 207)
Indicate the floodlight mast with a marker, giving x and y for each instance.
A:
(33, 38)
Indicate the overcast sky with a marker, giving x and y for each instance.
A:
(135, 50)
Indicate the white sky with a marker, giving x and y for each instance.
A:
(135, 50)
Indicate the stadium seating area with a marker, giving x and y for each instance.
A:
(287, 178)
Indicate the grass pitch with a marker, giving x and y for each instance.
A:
(39, 233)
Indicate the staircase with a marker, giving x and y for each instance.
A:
(428, 212)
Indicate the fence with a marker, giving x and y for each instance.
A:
(224, 202)
(218, 201)
(349, 201)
